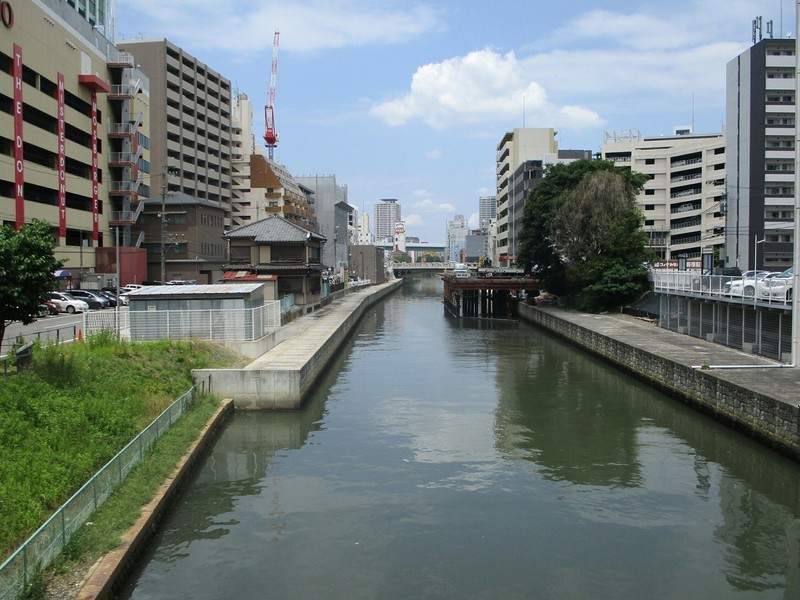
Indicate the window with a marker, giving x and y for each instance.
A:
(650, 161)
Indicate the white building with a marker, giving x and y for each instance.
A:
(522, 155)
(682, 201)
(387, 215)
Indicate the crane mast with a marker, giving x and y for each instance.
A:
(270, 135)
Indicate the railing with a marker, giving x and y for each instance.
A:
(57, 334)
(38, 552)
(221, 325)
(688, 161)
(693, 283)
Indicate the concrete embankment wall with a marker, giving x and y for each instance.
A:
(111, 571)
(763, 403)
(282, 378)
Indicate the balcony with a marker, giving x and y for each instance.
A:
(119, 60)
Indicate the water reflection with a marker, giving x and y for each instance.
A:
(457, 458)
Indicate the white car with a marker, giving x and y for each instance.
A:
(746, 286)
(67, 303)
(778, 287)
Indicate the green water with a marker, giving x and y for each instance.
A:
(446, 458)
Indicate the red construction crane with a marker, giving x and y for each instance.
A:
(270, 135)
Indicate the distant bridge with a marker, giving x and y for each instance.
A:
(401, 269)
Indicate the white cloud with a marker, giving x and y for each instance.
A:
(482, 86)
(434, 153)
(245, 26)
(473, 221)
(431, 206)
(413, 219)
(420, 193)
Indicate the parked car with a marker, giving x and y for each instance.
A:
(67, 303)
(777, 287)
(746, 286)
(42, 311)
(92, 298)
(110, 296)
(52, 307)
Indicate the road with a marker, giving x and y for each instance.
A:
(61, 327)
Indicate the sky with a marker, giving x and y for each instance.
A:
(408, 100)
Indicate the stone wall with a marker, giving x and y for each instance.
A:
(771, 420)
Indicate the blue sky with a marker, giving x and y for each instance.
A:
(408, 100)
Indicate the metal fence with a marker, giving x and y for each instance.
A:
(242, 324)
(700, 307)
(39, 551)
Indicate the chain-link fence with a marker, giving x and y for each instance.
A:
(753, 328)
(38, 552)
(242, 324)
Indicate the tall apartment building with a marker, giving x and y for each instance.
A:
(190, 152)
(487, 211)
(456, 238)
(387, 215)
(683, 201)
(73, 142)
(522, 156)
(761, 133)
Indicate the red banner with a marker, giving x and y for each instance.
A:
(19, 165)
(62, 161)
(95, 220)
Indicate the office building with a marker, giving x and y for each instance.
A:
(760, 156)
(522, 156)
(333, 217)
(683, 199)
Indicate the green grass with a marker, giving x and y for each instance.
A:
(75, 408)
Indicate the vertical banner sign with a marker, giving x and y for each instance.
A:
(95, 202)
(62, 162)
(19, 166)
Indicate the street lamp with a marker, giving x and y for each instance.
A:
(756, 242)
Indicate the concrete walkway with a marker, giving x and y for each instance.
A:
(758, 374)
(281, 378)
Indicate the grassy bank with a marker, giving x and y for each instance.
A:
(75, 408)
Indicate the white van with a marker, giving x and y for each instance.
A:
(460, 270)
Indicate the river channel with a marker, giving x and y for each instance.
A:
(473, 458)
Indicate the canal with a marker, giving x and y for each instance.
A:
(447, 458)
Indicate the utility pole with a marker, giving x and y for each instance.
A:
(164, 177)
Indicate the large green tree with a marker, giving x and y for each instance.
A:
(582, 236)
(27, 265)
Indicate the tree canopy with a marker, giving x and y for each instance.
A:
(582, 236)
(27, 265)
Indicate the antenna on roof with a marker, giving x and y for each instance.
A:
(757, 30)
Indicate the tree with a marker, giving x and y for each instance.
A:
(582, 236)
(27, 265)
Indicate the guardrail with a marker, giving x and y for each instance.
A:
(39, 550)
(693, 283)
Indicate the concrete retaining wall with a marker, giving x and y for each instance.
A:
(284, 383)
(773, 421)
(110, 572)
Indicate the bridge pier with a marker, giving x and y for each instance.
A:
(485, 297)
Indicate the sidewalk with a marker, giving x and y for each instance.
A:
(756, 373)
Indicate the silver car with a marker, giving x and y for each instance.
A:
(67, 303)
